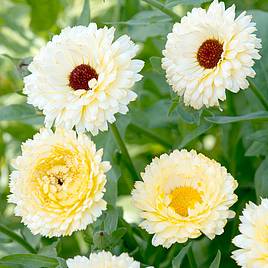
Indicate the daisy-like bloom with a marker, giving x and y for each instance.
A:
(83, 77)
(58, 183)
(253, 240)
(103, 260)
(183, 195)
(208, 52)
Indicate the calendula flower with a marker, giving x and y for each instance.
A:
(58, 183)
(103, 260)
(252, 241)
(183, 195)
(83, 77)
(209, 52)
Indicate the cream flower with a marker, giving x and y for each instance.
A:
(103, 260)
(183, 195)
(208, 52)
(253, 240)
(83, 77)
(58, 183)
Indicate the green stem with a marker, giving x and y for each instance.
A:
(191, 258)
(163, 9)
(151, 135)
(258, 94)
(17, 238)
(124, 150)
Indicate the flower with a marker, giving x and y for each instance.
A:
(208, 52)
(58, 183)
(183, 195)
(103, 260)
(252, 241)
(82, 78)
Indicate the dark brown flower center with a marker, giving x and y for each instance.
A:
(81, 75)
(209, 53)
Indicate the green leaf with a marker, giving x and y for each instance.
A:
(216, 262)
(49, 250)
(177, 261)
(261, 66)
(149, 23)
(203, 128)
(29, 261)
(261, 115)
(172, 3)
(111, 220)
(261, 181)
(44, 14)
(84, 18)
(259, 145)
(62, 263)
(20, 112)
(156, 64)
(118, 235)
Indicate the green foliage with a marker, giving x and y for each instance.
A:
(157, 122)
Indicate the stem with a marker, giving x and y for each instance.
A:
(163, 9)
(152, 136)
(124, 150)
(258, 94)
(17, 238)
(191, 258)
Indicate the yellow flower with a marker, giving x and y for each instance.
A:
(183, 195)
(253, 240)
(58, 183)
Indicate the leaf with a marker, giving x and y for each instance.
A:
(156, 64)
(172, 3)
(177, 261)
(19, 112)
(111, 220)
(29, 261)
(216, 262)
(49, 250)
(261, 66)
(62, 263)
(257, 149)
(259, 145)
(261, 179)
(149, 23)
(261, 115)
(84, 18)
(33, 240)
(44, 14)
(118, 235)
(194, 134)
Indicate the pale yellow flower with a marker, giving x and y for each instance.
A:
(103, 260)
(183, 195)
(253, 240)
(58, 183)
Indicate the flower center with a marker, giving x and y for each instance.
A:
(209, 53)
(184, 198)
(81, 75)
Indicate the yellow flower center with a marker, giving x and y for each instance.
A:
(61, 178)
(184, 198)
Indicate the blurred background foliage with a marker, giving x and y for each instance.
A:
(158, 122)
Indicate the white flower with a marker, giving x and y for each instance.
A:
(58, 183)
(253, 240)
(103, 260)
(183, 195)
(208, 52)
(83, 77)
